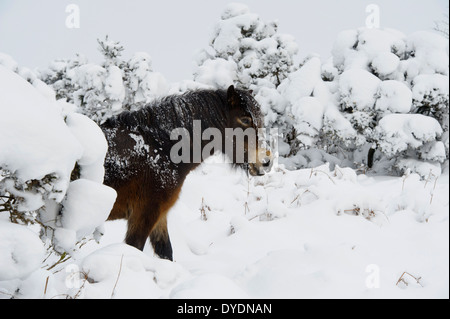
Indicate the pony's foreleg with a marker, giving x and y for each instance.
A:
(159, 237)
(140, 223)
(149, 219)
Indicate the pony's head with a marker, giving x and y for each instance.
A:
(246, 120)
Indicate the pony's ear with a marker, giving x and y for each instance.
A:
(233, 97)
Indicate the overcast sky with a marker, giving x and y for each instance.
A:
(172, 31)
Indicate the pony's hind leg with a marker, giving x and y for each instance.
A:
(159, 237)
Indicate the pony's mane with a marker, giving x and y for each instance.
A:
(179, 110)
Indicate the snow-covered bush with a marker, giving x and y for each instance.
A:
(9, 63)
(384, 80)
(430, 96)
(55, 75)
(336, 106)
(371, 49)
(411, 136)
(425, 53)
(41, 142)
(306, 98)
(101, 91)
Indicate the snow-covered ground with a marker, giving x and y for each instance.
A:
(291, 234)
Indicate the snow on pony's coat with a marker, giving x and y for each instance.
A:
(138, 164)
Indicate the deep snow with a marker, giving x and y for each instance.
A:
(291, 234)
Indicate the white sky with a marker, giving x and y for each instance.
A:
(172, 31)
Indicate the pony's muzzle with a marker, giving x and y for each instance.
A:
(267, 161)
(263, 164)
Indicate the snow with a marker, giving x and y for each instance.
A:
(343, 45)
(314, 244)
(114, 87)
(430, 88)
(385, 63)
(434, 151)
(228, 31)
(302, 82)
(358, 89)
(430, 50)
(8, 62)
(157, 84)
(364, 48)
(325, 234)
(336, 124)
(373, 41)
(89, 75)
(233, 10)
(86, 206)
(38, 151)
(26, 140)
(85, 131)
(94, 144)
(394, 96)
(309, 112)
(141, 276)
(271, 102)
(21, 251)
(218, 73)
(208, 286)
(329, 232)
(398, 131)
(424, 169)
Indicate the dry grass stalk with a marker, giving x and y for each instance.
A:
(203, 209)
(117, 280)
(401, 279)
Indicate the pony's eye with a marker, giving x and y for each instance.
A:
(245, 120)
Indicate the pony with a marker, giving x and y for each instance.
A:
(138, 164)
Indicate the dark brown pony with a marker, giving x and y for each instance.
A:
(138, 164)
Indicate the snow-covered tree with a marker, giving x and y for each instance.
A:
(111, 51)
(441, 26)
(55, 75)
(246, 51)
(102, 90)
(258, 51)
(141, 83)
